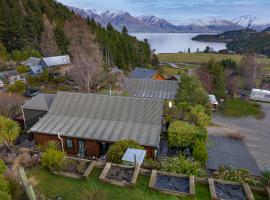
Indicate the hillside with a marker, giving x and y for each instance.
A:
(52, 29)
(226, 37)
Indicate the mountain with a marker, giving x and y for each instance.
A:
(151, 23)
(249, 21)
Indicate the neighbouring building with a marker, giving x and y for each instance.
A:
(90, 123)
(143, 73)
(148, 88)
(61, 64)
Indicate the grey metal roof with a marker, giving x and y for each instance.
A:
(56, 60)
(224, 151)
(37, 69)
(142, 73)
(103, 118)
(151, 88)
(32, 61)
(40, 102)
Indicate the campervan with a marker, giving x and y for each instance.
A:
(260, 95)
(213, 101)
(1, 84)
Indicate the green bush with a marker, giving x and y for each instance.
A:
(182, 134)
(181, 165)
(3, 167)
(197, 115)
(52, 159)
(22, 55)
(236, 175)
(22, 69)
(4, 185)
(118, 149)
(200, 152)
(17, 87)
(51, 144)
(4, 196)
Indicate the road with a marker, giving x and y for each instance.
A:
(256, 134)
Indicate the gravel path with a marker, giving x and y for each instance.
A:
(256, 134)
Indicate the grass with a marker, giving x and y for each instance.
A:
(53, 186)
(260, 197)
(241, 108)
(200, 58)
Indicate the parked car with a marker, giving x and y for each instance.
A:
(1, 84)
(31, 92)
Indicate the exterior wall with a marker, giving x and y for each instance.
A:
(32, 117)
(92, 146)
(158, 76)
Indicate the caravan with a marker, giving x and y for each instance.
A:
(260, 95)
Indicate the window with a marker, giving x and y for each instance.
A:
(69, 144)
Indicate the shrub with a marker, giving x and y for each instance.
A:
(17, 87)
(118, 149)
(197, 115)
(4, 196)
(51, 144)
(236, 175)
(3, 167)
(179, 164)
(200, 152)
(182, 134)
(52, 159)
(4, 185)
(22, 69)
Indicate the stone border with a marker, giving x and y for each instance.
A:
(77, 176)
(171, 192)
(214, 196)
(131, 184)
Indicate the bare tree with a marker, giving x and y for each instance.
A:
(10, 105)
(249, 68)
(86, 71)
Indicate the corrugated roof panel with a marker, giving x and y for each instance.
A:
(151, 88)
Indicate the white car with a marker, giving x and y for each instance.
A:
(1, 84)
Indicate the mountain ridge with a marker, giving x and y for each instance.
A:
(151, 23)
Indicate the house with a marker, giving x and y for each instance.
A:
(62, 63)
(148, 88)
(260, 95)
(32, 61)
(89, 123)
(11, 76)
(143, 73)
(35, 70)
(36, 108)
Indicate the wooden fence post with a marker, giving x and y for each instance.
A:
(27, 186)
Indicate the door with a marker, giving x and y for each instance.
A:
(81, 148)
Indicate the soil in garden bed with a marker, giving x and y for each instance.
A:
(120, 174)
(173, 183)
(227, 191)
(75, 166)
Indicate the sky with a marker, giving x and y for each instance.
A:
(181, 11)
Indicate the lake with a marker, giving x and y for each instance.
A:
(176, 42)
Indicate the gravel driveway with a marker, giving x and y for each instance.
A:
(256, 134)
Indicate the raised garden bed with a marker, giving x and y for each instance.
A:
(268, 192)
(120, 175)
(229, 190)
(76, 168)
(174, 184)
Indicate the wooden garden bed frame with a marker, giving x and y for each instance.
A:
(172, 192)
(131, 184)
(214, 196)
(78, 176)
(268, 192)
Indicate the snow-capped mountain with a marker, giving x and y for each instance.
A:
(151, 23)
(249, 21)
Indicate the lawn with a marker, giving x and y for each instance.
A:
(241, 108)
(70, 189)
(199, 58)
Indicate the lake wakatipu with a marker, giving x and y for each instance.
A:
(176, 42)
